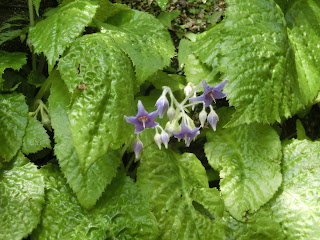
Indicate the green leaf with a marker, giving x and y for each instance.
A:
(166, 17)
(174, 81)
(185, 49)
(21, 199)
(88, 188)
(296, 205)
(36, 137)
(248, 158)
(36, 4)
(120, 214)
(13, 123)
(11, 29)
(14, 60)
(96, 113)
(143, 38)
(55, 33)
(261, 226)
(304, 33)
(162, 4)
(301, 132)
(180, 198)
(268, 76)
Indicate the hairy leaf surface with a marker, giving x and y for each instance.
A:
(248, 158)
(36, 137)
(13, 123)
(267, 79)
(120, 214)
(143, 38)
(21, 199)
(261, 226)
(14, 60)
(177, 189)
(296, 206)
(97, 112)
(53, 34)
(88, 188)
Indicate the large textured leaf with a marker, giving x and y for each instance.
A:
(121, 213)
(13, 123)
(261, 226)
(88, 188)
(177, 188)
(296, 206)
(253, 51)
(13, 60)
(143, 38)
(21, 199)
(36, 137)
(248, 158)
(97, 112)
(53, 34)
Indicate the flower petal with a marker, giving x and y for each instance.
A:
(221, 85)
(141, 110)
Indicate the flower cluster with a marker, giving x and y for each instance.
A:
(180, 125)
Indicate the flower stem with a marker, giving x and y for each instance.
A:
(31, 19)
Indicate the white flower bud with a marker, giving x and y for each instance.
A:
(213, 119)
(202, 117)
(157, 139)
(171, 113)
(187, 90)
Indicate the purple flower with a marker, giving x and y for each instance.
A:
(137, 146)
(164, 138)
(186, 134)
(143, 119)
(210, 94)
(162, 104)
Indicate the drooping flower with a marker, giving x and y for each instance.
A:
(203, 116)
(186, 133)
(164, 138)
(162, 104)
(210, 94)
(157, 139)
(213, 118)
(143, 119)
(137, 146)
(171, 113)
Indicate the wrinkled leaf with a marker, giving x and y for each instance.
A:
(120, 214)
(97, 112)
(143, 38)
(13, 123)
(248, 158)
(13, 60)
(177, 189)
(21, 199)
(261, 226)
(36, 137)
(13, 28)
(268, 75)
(296, 206)
(55, 33)
(88, 188)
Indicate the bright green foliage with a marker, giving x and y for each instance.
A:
(143, 38)
(10, 29)
(53, 34)
(177, 189)
(88, 188)
(96, 113)
(120, 214)
(268, 79)
(36, 4)
(21, 199)
(162, 4)
(296, 206)
(36, 137)
(13, 122)
(248, 158)
(14, 60)
(261, 226)
(303, 20)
